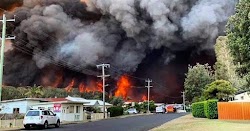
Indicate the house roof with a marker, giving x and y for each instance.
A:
(25, 99)
(94, 102)
(241, 92)
(77, 99)
(55, 99)
(58, 102)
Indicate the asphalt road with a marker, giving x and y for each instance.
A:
(134, 123)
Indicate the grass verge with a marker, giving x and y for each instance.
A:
(189, 123)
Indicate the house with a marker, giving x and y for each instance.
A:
(242, 97)
(18, 106)
(65, 109)
(97, 104)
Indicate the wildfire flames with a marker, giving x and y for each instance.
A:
(144, 98)
(123, 87)
(83, 88)
(70, 86)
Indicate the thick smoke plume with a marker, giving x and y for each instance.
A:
(78, 34)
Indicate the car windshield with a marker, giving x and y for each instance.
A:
(33, 113)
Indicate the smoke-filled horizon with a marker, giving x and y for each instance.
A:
(78, 34)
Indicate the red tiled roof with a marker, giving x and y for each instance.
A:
(55, 99)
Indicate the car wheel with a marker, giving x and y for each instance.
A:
(57, 123)
(27, 127)
(45, 126)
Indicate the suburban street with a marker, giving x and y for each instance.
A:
(135, 123)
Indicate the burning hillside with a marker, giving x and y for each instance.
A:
(59, 42)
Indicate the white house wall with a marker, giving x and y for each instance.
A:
(242, 97)
(7, 108)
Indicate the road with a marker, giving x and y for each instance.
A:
(134, 123)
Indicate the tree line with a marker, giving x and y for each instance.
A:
(10, 92)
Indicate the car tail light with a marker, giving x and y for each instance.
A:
(41, 117)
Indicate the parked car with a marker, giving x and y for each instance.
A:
(160, 109)
(132, 111)
(40, 118)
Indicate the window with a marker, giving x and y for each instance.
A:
(41, 108)
(45, 113)
(33, 113)
(15, 110)
(50, 108)
(71, 109)
(77, 109)
(242, 97)
(51, 113)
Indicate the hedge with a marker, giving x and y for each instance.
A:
(198, 109)
(115, 111)
(211, 110)
(205, 109)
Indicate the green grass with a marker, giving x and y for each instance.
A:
(188, 123)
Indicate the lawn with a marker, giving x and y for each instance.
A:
(189, 123)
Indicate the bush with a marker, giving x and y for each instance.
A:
(211, 110)
(198, 109)
(115, 111)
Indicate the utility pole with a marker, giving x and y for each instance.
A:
(148, 81)
(4, 21)
(103, 76)
(183, 99)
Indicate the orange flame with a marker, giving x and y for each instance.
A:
(123, 87)
(144, 98)
(70, 86)
(85, 1)
(92, 87)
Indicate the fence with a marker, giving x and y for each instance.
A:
(11, 123)
(234, 110)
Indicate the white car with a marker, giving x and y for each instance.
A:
(41, 118)
(132, 111)
(160, 109)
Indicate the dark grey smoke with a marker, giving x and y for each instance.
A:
(120, 32)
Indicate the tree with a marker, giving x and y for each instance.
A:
(196, 79)
(35, 92)
(238, 33)
(144, 106)
(219, 89)
(51, 92)
(224, 67)
(116, 101)
(22, 91)
(9, 92)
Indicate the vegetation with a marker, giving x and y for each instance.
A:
(115, 111)
(116, 101)
(239, 39)
(144, 106)
(224, 67)
(198, 109)
(196, 80)
(205, 109)
(219, 89)
(189, 123)
(10, 92)
(211, 109)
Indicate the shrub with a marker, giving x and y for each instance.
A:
(115, 111)
(198, 109)
(211, 110)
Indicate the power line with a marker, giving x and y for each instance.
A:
(4, 21)
(148, 81)
(103, 76)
